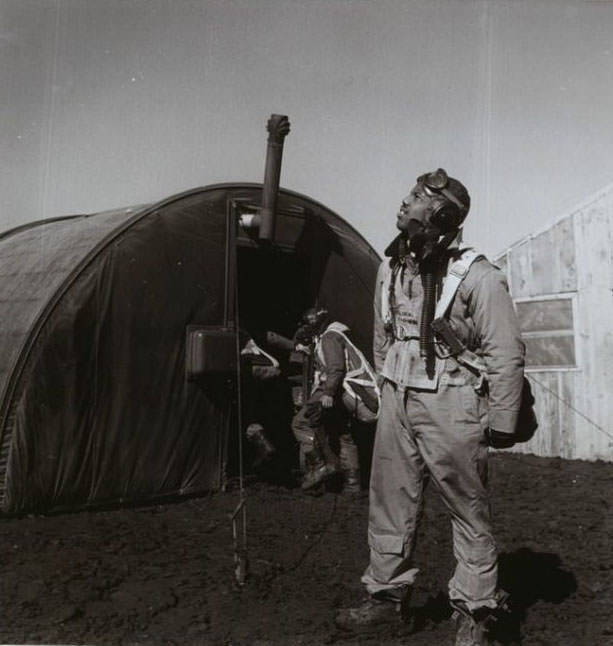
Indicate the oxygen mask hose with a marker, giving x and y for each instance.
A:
(426, 336)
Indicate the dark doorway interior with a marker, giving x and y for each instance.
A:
(273, 290)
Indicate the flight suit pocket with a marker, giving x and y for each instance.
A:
(386, 544)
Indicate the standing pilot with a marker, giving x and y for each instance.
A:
(437, 416)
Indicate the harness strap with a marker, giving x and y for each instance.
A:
(455, 274)
(351, 376)
(387, 294)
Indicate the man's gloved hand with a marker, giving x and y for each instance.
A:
(498, 440)
(327, 401)
(305, 349)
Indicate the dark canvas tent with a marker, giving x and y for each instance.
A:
(95, 406)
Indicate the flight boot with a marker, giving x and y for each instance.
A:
(352, 482)
(317, 471)
(388, 608)
(349, 465)
(473, 627)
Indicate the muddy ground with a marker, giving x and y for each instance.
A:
(164, 574)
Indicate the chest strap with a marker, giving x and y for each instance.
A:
(456, 273)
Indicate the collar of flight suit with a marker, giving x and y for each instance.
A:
(397, 249)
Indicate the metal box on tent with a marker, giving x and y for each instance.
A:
(209, 352)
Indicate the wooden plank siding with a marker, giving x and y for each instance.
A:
(572, 257)
(593, 235)
(553, 392)
(520, 270)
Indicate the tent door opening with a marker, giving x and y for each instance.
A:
(272, 288)
(272, 291)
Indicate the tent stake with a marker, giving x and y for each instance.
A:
(239, 516)
(239, 541)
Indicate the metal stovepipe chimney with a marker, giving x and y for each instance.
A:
(278, 129)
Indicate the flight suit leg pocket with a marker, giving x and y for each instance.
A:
(386, 543)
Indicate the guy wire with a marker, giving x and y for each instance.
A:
(578, 412)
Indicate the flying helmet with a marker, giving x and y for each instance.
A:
(312, 323)
(450, 199)
(449, 203)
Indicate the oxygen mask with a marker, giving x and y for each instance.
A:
(422, 238)
(431, 215)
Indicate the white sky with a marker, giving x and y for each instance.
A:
(110, 103)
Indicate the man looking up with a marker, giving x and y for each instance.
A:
(437, 415)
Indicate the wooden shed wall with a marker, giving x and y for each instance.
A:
(573, 258)
(593, 234)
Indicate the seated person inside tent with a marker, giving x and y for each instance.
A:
(344, 388)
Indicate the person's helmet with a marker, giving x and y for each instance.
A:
(315, 316)
(449, 204)
(450, 199)
(312, 323)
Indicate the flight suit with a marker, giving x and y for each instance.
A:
(431, 427)
(323, 433)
